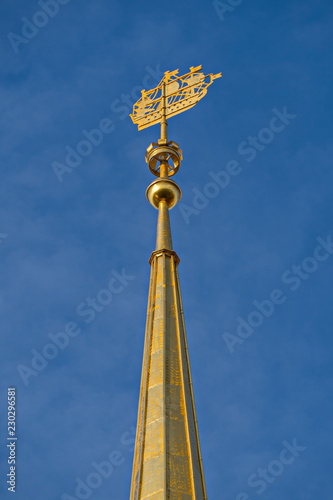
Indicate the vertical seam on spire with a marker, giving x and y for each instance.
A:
(164, 380)
(181, 362)
(192, 403)
(145, 374)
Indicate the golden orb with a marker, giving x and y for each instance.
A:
(163, 189)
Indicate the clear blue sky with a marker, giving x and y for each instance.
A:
(253, 232)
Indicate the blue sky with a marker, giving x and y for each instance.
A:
(259, 239)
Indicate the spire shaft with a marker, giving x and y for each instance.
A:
(163, 238)
(167, 460)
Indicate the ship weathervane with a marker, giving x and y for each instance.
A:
(173, 95)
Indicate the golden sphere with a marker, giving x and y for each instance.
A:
(163, 189)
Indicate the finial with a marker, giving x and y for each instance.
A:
(159, 155)
(163, 190)
(173, 95)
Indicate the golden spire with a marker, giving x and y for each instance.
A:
(167, 460)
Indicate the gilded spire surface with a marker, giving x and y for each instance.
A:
(167, 459)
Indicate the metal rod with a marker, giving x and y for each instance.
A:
(164, 123)
(164, 169)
